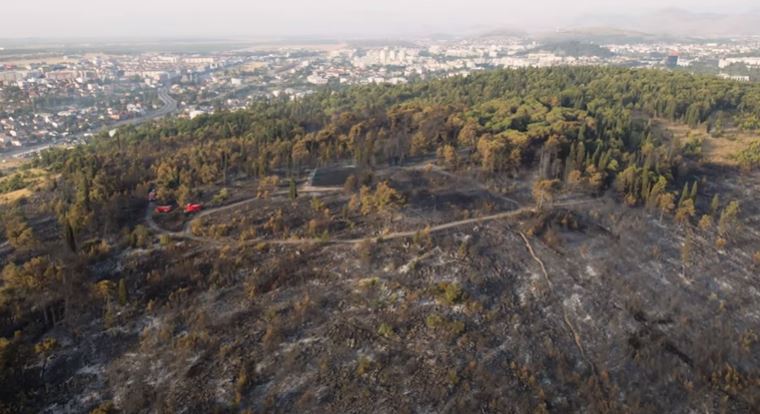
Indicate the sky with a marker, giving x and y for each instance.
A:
(319, 18)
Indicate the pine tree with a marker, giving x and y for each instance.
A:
(693, 194)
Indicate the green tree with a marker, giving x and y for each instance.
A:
(693, 193)
(293, 190)
(19, 234)
(684, 194)
(70, 238)
(728, 218)
(122, 292)
(543, 192)
(715, 204)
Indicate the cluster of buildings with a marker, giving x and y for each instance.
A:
(65, 99)
(394, 65)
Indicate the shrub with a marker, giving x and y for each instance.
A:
(104, 408)
(450, 293)
(434, 321)
(385, 330)
(749, 158)
(241, 384)
(452, 328)
(221, 196)
(365, 248)
(363, 365)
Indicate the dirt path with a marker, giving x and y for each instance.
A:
(566, 318)
(213, 243)
(186, 233)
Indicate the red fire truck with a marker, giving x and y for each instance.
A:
(193, 208)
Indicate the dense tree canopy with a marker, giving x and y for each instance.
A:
(592, 125)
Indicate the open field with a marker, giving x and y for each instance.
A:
(29, 180)
(719, 151)
(11, 164)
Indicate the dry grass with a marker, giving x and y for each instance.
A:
(36, 177)
(12, 197)
(723, 150)
(11, 164)
(720, 151)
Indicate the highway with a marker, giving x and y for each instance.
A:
(170, 105)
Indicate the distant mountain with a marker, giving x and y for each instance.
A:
(677, 22)
(598, 35)
(502, 33)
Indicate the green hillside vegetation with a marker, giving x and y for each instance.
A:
(588, 123)
(574, 48)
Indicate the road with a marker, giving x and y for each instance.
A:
(170, 105)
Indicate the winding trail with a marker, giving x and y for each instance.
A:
(185, 233)
(307, 188)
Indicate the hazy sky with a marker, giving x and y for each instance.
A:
(147, 18)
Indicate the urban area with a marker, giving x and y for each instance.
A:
(63, 98)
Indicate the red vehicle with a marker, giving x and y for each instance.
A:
(193, 208)
(163, 209)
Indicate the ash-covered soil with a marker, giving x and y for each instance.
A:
(594, 308)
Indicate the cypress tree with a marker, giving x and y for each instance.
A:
(293, 189)
(604, 161)
(645, 187)
(580, 155)
(582, 133)
(693, 194)
(597, 154)
(70, 238)
(715, 204)
(570, 162)
(684, 194)
(122, 292)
